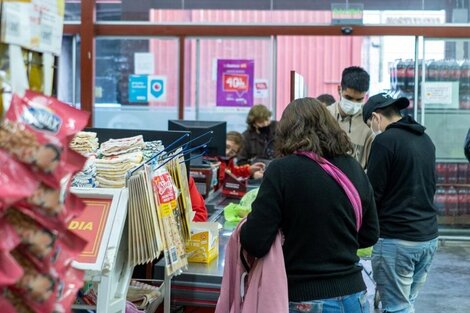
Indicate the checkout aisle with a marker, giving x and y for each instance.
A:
(199, 286)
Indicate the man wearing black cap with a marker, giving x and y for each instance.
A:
(401, 170)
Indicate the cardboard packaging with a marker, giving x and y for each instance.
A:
(234, 187)
(203, 246)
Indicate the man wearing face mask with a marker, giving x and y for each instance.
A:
(258, 138)
(348, 111)
(401, 171)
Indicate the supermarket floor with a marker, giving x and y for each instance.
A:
(447, 288)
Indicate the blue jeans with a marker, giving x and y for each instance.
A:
(400, 269)
(355, 303)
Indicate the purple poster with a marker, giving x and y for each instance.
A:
(235, 79)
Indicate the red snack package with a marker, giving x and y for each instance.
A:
(39, 129)
(9, 237)
(65, 250)
(37, 239)
(57, 217)
(16, 181)
(37, 287)
(6, 306)
(45, 247)
(73, 281)
(10, 271)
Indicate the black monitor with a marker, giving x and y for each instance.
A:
(216, 147)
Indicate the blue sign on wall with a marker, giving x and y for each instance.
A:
(138, 86)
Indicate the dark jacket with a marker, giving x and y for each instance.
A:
(258, 146)
(318, 223)
(466, 147)
(402, 172)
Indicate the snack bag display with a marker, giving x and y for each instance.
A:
(42, 245)
(38, 129)
(37, 287)
(16, 181)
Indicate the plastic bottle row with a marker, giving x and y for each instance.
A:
(453, 173)
(402, 76)
(452, 201)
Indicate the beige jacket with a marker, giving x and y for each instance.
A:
(359, 133)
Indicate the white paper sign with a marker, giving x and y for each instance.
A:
(144, 63)
(441, 95)
(261, 88)
(36, 25)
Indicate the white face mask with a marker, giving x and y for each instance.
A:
(349, 107)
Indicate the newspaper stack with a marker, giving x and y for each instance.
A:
(85, 143)
(87, 177)
(118, 156)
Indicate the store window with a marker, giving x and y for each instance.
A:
(68, 77)
(225, 77)
(445, 111)
(136, 82)
(72, 10)
(281, 11)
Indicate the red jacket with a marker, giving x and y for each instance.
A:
(239, 171)
(197, 201)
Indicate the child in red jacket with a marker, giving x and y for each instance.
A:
(234, 144)
(197, 202)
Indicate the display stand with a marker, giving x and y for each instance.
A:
(104, 260)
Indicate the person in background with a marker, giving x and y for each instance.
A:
(259, 137)
(401, 171)
(234, 143)
(197, 202)
(348, 111)
(326, 99)
(314, 213)
(466, 148)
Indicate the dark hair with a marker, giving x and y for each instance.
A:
(326, 98)
(356, 78)
(307, 125)
(258, 112)
(389, 112)
(236, 137)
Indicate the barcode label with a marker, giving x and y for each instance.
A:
(173, 255)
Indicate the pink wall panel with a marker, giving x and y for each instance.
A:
(320, 59)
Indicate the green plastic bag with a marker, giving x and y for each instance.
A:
(365, 252)
(248, 198)
(235, 212)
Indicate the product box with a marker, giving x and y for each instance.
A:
(203, 246)
(234, 187)
(205, 177)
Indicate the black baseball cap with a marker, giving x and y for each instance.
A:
(380, 101)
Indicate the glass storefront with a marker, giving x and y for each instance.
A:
(136, 82)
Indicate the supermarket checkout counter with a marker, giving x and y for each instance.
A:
(200, 284)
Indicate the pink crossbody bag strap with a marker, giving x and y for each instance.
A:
(342, 180)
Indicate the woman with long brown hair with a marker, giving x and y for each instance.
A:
(321, 200)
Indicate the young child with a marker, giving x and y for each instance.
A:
(234, 143)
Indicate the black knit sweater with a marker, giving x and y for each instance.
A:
(318, 223)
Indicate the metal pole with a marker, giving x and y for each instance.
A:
(74, 70)
(167, 295)
(274, 76)
(415, 102)
(198, 70)
(423, 82)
